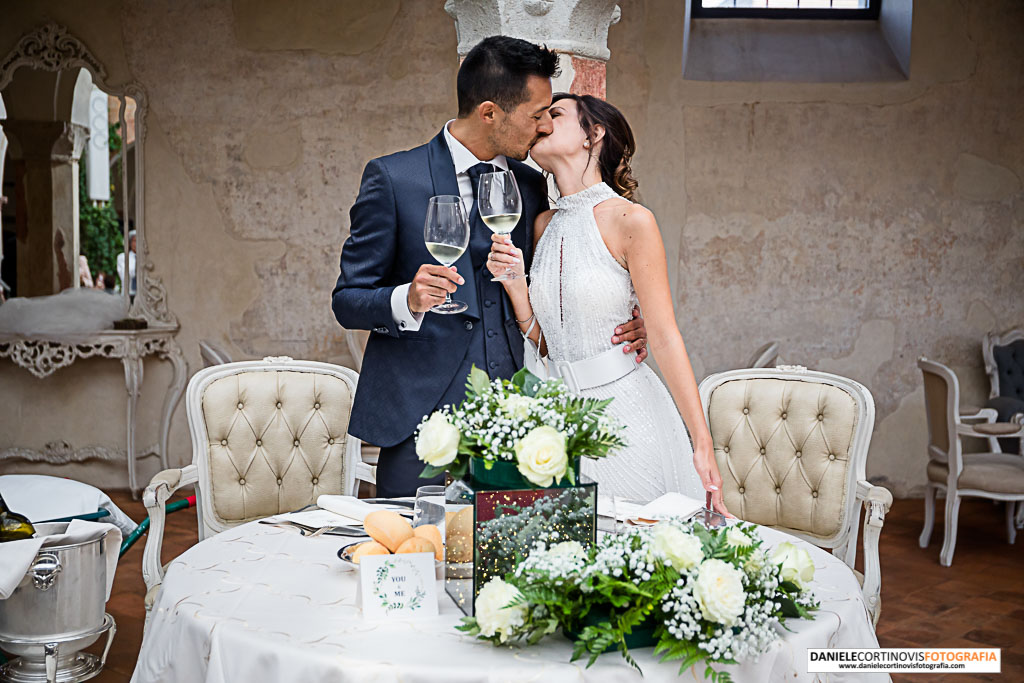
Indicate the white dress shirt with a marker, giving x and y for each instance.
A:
(463, 160)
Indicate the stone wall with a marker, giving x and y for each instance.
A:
(859, 225)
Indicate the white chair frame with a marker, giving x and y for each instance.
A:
(165, 483)
(957, 429)
(876, 500)
(765, 357)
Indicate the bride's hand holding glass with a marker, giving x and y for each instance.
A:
(505, 259)
(707, 469)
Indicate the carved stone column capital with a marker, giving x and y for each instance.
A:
(575, 27)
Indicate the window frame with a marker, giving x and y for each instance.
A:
(871, 13)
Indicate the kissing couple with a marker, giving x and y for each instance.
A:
(593, 262)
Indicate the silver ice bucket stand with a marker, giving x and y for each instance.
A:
(55, 612)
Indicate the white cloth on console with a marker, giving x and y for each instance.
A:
(16, 557)
(264, 605)
(72, 311)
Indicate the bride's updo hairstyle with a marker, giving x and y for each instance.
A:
(617, 146)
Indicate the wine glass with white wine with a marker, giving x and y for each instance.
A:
(446, 232)
(500, 206)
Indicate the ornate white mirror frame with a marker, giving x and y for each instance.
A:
(52, 47)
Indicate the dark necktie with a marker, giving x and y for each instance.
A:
(479, 234)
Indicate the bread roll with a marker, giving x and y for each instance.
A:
(416, 545)
(368, 548)
(387, 528)
(432, 534)
(460, 535)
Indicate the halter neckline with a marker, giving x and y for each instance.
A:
(586, 198)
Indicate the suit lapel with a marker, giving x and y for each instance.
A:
(442, 175)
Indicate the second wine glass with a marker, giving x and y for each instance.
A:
(446, 233)
(500, 206)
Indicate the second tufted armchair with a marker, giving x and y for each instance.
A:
(792, 445)
(268, 437)
(1004, 364)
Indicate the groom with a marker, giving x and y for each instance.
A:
(415, 363)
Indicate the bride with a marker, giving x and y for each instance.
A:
(596, 255)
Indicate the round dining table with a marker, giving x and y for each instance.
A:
(263, 604)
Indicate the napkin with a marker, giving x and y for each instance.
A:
(16, 557)
(346, 506)
(671, 504)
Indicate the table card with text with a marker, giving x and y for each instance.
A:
(397, 586)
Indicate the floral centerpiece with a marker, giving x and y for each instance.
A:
(513, 449)
(535, 426)
(697, 595)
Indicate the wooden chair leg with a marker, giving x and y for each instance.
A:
(929, 515)
(952, 515)
(1011, 522)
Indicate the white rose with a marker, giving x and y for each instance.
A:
(571, 551)
(736, 538)
(541, 455)
(438, 441)
(796, 564)
(683, 550)
(719, 592)
(516, 405)
(492, 613)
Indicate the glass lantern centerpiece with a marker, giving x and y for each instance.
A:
(512, 452)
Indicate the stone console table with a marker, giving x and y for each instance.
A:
(44, 355)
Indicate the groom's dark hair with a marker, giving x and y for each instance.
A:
(496, 70)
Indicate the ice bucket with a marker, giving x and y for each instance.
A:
(57, 610)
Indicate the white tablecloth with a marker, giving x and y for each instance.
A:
(263, 604)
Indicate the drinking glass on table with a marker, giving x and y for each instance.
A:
(500, 206)
(429, 507)
(446, 233)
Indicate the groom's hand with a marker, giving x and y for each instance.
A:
(634, 334)
(430, 285)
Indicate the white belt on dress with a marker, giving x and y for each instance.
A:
(588, 373)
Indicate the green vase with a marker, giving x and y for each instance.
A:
(505, 476)
(642, 635)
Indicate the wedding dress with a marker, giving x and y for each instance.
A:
(580, 293)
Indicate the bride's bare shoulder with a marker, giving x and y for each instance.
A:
(627, 218)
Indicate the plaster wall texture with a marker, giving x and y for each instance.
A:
(861, 225)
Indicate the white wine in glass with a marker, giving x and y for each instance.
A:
(500, 206)
(446, 233)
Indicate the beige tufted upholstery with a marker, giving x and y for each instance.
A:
(268, 436)
(783, 448)
(995, 475)
(791, 446)
(275, 441)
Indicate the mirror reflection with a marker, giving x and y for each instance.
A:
(67, 169)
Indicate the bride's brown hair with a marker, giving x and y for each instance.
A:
(617, 145)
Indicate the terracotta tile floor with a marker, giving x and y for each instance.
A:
(978, 602)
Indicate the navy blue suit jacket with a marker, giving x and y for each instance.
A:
(405, 374)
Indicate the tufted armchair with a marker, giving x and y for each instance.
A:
(792, 445)
(994, 475)
(1004, 364)
(268, 437)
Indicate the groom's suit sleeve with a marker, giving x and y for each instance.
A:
(362, 297)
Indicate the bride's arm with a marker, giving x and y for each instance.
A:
(505, 256)
(644, 254)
